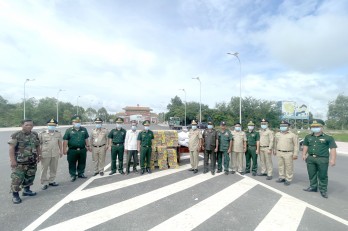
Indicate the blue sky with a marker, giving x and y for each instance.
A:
(119, 53)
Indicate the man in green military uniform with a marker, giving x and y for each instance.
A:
(24, 155)
(317, 146)
(210, 146)
(145, 138)
(116, 142)
(225, 147)
(253, 147)
(76, 138)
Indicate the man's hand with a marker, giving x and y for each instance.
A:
(332, 163)
(257, 151)
(304, 157)
(294, 157)
(13, 164)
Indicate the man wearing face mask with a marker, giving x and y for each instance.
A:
(51, 151)
(210, 146)
(239, 148)
(225, 147)
(286, 149)
(266, 148)
(145, 138)
(99, 143)
(317, 145)
(253, 138)
(76, 138)
(131, 147)
(116, 142)
(194, 145)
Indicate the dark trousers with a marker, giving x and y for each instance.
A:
(209, 154)
(117, 151)
(145, 157)
(219, 160)
(250, 154)
(130, 154)
(226, 160)
(77, 161)
(317, 171)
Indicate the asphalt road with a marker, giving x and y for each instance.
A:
(175, 199)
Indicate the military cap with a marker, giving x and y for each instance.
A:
(52, 122)
(76, 118)
(194, 122)
(284, 122)
(98, 120)
(251, 123)
(223, 123)
(264, 120)
(119, 120)
(210, 123)
(146, 123)
(317, 123)
(237, 124)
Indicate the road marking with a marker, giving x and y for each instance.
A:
(197, 214)
(100, 216)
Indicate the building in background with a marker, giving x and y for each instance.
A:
(138, 113)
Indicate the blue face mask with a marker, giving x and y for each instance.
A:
(237, 128)
(98, 125)
(118, 126)
(134, 128)
(210, 126)
(77, 125)
(194, 127)
(264, 126)
(283, 129)
(51, 128)
(147, 128)
(316, 130)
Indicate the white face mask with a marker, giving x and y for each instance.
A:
(77, 125)
(118, 126)
(194, 127)
(316, 129)
(210, 126)
(51, 128)
(283, 129)
(134, 128)
(147, 128)
(98, 125)
(251, 128)
(264, 126)
(237, 128)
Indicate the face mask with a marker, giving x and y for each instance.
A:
(77, 125)
(147, 128)
(237, 128)
(194, 127)
(98, 125)
(316, 130)
(210, 126)
(251, 128)
(264, 126)
(283, 129)
(118, 126)
(51, 128)
(134, 128)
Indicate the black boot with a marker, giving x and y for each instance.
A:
(28, 192)
(16, 199)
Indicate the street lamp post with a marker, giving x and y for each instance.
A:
(200, 99)
(57, 105)
(27, 80)
(185, 103)
(77, 103)
(235, 54)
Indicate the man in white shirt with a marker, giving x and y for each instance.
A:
(131, 147)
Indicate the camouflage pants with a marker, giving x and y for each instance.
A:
(22, 175)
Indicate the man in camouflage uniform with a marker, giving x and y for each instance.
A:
(116, 142)
(194, 145)
(24, 155)
(99, 145)
(225, 147)
(253, 146)
(145, 138)
(52, 150)
(210, 146)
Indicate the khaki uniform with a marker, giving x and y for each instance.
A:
(238, 150)
(194, 137)
(51, 152)
(99, 139)
(286, 147)
(266, 147)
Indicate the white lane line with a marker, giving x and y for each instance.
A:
(103, 215)
(197, 214)
(286, 215)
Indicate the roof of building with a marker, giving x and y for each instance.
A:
(136, 108)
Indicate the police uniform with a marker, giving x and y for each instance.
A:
(76, 138)
(253, 144)
(194, 145)
(225, 145)
(116, 140)
(238, 150)
(24, 153)
(99, 145)
(286, 149)
(51, 151)
(266, 148)
(145, 138)
(317, 146)
(210, 150)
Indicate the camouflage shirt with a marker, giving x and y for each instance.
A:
(26, 146)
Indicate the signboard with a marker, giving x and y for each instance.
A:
(290, 110)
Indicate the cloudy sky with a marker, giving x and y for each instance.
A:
(114, 53)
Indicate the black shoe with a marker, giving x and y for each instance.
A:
(324, 194)
(149, 171)
(127, 172)
(44, 187)
(121, 172)
(269, 178)
(219, 171)
(310, 189)
(82, 176)
(53, 184)
(16, 199)
(212, 172)
(195, 170)
(262, 174)
(101, 173)
(142, 171)
(205, 171)
(233, 172)
(135, 171)
(96, 173)
(254, 173)
(287, 183)
(241, 173)
(191, 169)
(73, 178)
(111, 173)
(280, 180)
(226, 172)
(28, 192)
(246, 172)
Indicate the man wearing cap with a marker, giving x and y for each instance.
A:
(253, 145)
(76, 138)
(238, 149)
(99, 145)
(317, 146)
(51, 151)
(225, 147)
(116, 141)
(131, 147)
(145, 138)
(286, 149)
(266, 149)
(210, 147)
(24, 154)
(194, 145)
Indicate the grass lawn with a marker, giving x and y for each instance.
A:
(338, 135)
